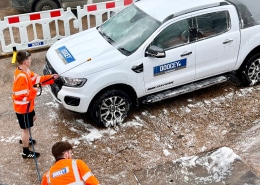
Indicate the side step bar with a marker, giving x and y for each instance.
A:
(184, 89)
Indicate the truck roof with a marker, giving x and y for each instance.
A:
(163, 9)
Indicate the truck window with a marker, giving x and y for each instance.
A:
(174, 35)
(212, 24)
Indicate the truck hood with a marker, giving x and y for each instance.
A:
(82, 54)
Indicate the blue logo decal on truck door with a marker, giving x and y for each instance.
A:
(169, 67)
(65, 54)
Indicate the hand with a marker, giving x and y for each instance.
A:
(55, 76)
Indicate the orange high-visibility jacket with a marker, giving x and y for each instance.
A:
(69, 171)
(23, 91)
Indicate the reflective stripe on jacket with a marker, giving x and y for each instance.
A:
(23, 91)
(71, 172)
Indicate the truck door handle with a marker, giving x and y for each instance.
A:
(227, 41)
(186, 53)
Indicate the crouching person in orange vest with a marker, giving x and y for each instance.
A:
(67, 170)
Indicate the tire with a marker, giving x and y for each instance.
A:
(111, 108)
(250, 72)
(44, 5)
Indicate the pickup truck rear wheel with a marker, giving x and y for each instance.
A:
(111, 108)
(250, 73)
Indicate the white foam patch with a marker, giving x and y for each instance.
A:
(166, 152)
(245, 142)
(52, 104)
(11, 139)
(218, 165)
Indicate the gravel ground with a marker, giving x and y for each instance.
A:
(220, 116)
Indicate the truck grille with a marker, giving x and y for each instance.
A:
(48, 69)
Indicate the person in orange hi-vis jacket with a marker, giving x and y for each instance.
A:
(23, 97)
(67, 170)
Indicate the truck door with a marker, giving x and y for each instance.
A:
(217, 43)
(178, 67)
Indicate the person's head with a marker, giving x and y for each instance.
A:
(23, 57)
(62, 149)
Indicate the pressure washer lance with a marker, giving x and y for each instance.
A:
(30, 133)
(39, 85)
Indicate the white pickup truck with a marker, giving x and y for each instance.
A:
(152, 50)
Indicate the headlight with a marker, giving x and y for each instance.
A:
(74, 82)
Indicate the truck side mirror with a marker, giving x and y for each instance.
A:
(155, 51)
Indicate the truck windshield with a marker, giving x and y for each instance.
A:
(128, 29)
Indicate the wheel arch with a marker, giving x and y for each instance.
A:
(243, 77)
(124, 87)
(255, 51)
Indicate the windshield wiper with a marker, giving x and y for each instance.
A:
(100, 30)
(124, 51)
(109, 39)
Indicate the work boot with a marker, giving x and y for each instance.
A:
(31, 141)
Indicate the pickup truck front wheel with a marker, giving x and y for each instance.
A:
(111, 108)
(250, 73)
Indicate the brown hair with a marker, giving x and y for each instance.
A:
(22, 56)
(59, 148)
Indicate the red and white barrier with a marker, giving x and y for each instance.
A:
(15, 34)
(34, 16)
(97, 11)
(46, 26)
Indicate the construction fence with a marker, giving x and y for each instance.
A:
(40, 30)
